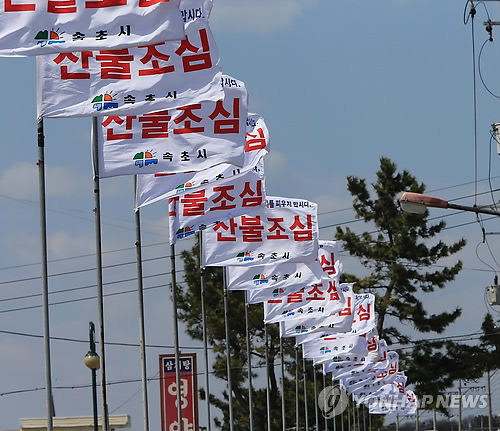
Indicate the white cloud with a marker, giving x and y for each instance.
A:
(64, 244)
(21, 181)
(259, 16)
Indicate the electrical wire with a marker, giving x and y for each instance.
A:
(480, 73)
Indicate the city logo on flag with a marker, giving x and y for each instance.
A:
(325, 349)
(244, 257)
(145, 158)
(300, 329)
(45, 37)
(260, 279)
(183, 187)
(104, 101)
(185, 232)
(288, 313)
(278, 292)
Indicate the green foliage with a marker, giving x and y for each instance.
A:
(402, 255)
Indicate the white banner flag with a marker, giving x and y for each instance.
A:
(269, 277)
(397, 387)
(285, 231)
(30, 27)
(318, 300)
(335, 347)
(372, 379)
(401, 404)
(201, 210)
(308, 328)
(340, 372)
(157, 187)
(139, 79)
(265, 294)
(328, 257)
(167, 141)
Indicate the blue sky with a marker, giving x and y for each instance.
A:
(340, 84)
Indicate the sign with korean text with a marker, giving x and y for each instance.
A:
(358, 317)
(157, 187)
(189, 392)
(258, 277)
(285, 231)
(308, 327)
(188, 138)
(335, 347)
(318, 300)
(34, 27)
(140, 79)
(201, 210)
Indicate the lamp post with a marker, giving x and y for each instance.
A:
(417, 203)
(93, 362)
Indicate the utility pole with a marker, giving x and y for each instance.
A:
(459, 405)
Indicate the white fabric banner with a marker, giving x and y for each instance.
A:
(372, 379)
(166, 141)
(157, 187)
(200, 210)
(140, 79)
(337, 347)
(265, 294)
(360, 368)
(397, 387)
(269, 277)
(328, 257)
(30, 27)
(402, 405)
(362, 312)
(285, 231)
(309, 328)
(318, 300)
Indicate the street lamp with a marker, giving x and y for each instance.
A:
(417, 203)
(93, 362)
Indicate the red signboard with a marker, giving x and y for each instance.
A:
(189, 392)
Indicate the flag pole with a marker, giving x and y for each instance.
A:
(282, 357)
(249, 360)
(140, 293)
(45, 275)
(296, 387)
(315, 399)
(324, 403)
(353, 413)
(100, 301)
(176, 338)
(268, 389)
(228, 354)
(304, 375)
(204, 326)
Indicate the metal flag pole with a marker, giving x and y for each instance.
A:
(45, 274)
(304, 371)
(353, 414)
(283, 411)
(296, 387)
(315, 398)
(249, 361)
(140, 293)
(228, 354)
(268, 389)
(324, 402)
(348, 414)
(204, 326)
(176, 338)
(369, 421)
(100, 301)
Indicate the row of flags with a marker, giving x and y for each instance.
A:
(150, 71)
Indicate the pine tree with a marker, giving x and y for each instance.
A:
(402, 257)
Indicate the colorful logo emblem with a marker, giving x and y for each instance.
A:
(278, 292)
(244, 257)
(260, 279)
(300, 329)
(184, 232)
(145, 159)
(288, 313)
(183, 187)
(104, 101)
(324, 350)
(45, 37)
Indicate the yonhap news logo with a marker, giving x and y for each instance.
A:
(332, 401)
